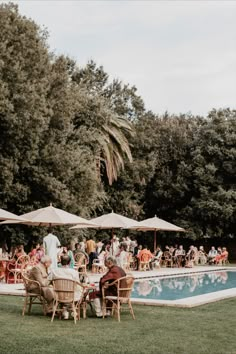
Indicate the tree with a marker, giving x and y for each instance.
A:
(39, 162)
(213, 203)
(105, 109)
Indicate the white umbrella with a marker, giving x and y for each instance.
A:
(51, 216)
(114, 221)
(111, 221)
(155, 224)
(6, 215)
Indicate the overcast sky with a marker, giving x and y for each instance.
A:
(181, 55)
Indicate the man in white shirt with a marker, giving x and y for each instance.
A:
(51, 244)
(211, 255)
(67, 273)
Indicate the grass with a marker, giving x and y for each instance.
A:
(160, 330)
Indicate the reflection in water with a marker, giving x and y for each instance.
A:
(184, 286)
(146, 287)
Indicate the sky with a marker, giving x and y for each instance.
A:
(180, 55)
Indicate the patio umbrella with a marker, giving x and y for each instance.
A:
(155, 224)
(111, 221)
(6, 215)
(50, 216)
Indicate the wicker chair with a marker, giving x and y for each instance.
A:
(32, 298)
(15, 269)
(64, 290)
(124, 288)
(80, 263)
(98, 266)
(168, 260)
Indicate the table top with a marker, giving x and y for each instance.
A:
(5, 259)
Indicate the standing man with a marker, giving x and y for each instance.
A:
(91, 250)
(51, 244)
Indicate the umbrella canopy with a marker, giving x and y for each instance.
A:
(155, 224)
(111, 221)
(6, 215)
(51, 216)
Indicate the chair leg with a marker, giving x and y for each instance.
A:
(118, 310)
(104, 308)
(131, 309)
(25, 305)
(30, 305)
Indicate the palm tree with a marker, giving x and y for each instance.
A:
(113, 146)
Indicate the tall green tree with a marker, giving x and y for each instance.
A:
(106, 109)
(39, 161)
(212, 207)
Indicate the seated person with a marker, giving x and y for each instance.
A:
(202, 256)
(157, 257)
(67, 273)
(180, 256)
(190, 257)
(144, 255)
(40, 274)
(114, 273)
(223, 256)
(211, 255)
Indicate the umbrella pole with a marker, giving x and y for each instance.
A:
(112, 231)
(155, 240)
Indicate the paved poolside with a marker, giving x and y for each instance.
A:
(18, 289)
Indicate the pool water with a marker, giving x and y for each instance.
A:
(180, 287)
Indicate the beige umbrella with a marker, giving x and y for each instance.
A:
(155, 224)
(51, 216)
(111, 221)
(6, 215)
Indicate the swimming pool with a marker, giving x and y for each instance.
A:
(181, 287)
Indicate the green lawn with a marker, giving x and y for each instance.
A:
(201, 330)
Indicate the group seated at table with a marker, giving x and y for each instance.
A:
(39, 274)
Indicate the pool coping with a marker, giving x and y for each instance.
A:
(192, 301)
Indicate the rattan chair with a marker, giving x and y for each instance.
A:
(32, 297)
(168, 260)
(64, 290)
(124, 288)
(98, 266)
(80, 262)
(16, 269)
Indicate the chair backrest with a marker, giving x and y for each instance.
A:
(22, 261)
(29, 283)
(125, 286)
(80, 259)
(64, 289)
(167, 255)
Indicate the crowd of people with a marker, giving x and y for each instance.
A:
(127, 252)
(51, 260)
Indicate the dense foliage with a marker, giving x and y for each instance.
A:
(72, 137)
